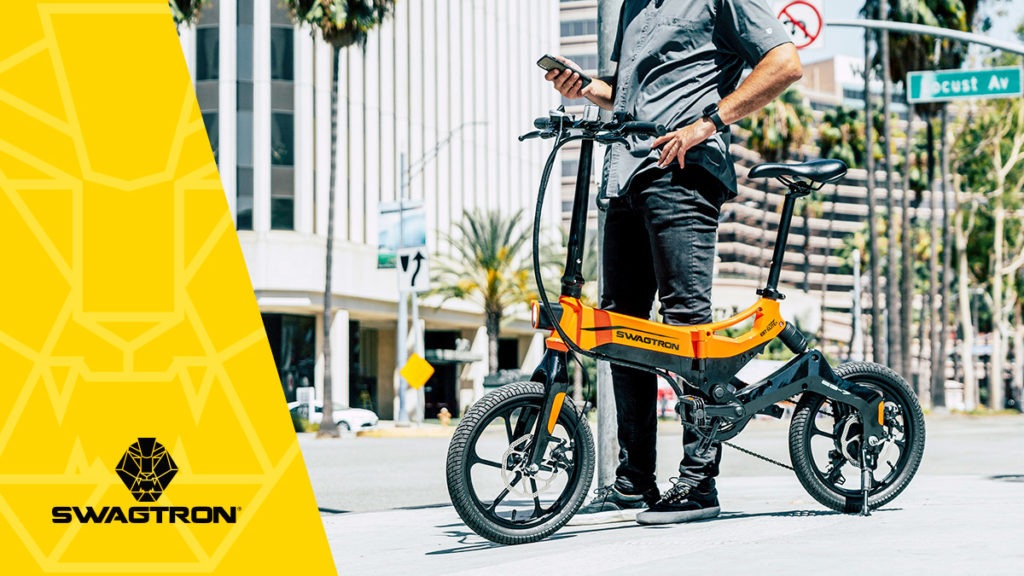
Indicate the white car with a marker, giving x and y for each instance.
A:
(346, 418)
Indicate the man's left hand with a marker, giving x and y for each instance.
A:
(677, 143)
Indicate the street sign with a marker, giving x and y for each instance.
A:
(947, 85)
(416, 371)
(804, 21)
(413, 270)
(400, 225)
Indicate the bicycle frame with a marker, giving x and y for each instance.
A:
(703, 356)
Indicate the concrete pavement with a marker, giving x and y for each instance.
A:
(940, 525)
(963, 514)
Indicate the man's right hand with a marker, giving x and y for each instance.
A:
(566, 82)
(570, 85)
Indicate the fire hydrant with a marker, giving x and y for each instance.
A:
(444, 416)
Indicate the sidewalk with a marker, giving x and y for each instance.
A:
(769, 525)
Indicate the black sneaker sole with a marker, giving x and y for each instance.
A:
(676, 516)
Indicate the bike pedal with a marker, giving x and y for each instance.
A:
(773, 410)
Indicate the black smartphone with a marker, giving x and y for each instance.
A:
(549, 62)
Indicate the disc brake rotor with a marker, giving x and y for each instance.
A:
(514, 474)
(848, 433)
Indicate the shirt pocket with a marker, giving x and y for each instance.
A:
(674, 37)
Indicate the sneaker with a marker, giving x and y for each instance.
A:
(681, 503)
(612, 505)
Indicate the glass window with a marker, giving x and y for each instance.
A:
(282, 139)
(245, 53)
(244, 199)
(293, 344)
(282, 213)
(282, 198)
(281, 55)
(569, 167)
(207, 53)
(212, 132)
(579, 28)
(244, 138)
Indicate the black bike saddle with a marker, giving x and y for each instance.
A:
(816, 170)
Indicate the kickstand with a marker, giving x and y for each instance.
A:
(865, 484)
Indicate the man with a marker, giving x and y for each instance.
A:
(679, 63)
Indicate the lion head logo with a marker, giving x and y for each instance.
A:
(146, 469)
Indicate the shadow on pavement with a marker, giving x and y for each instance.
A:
(463, 537)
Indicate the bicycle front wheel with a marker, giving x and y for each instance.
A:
(490, 482)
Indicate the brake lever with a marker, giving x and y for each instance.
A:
(610, 139)
(534, 134)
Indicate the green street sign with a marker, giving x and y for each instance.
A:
(946, 85)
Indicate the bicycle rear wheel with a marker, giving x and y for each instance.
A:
(489, 482)
(825, 436)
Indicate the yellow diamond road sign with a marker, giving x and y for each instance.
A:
(417, 371)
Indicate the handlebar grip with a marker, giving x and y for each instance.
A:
(542, 123)
(648, 128)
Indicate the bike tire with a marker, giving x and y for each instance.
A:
(897, 470)
(465, 464)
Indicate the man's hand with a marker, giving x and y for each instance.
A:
(677, 143)
(570, 85)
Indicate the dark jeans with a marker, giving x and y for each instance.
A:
(659, 237)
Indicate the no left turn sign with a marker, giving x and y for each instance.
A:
(804, 21)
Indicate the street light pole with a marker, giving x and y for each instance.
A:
(406, 173)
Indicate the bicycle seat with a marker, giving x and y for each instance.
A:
(820, 171)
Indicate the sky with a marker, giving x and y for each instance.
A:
(850, 41)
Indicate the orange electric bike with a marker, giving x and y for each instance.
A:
(522, 459)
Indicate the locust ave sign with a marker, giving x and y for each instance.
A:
(947, 85)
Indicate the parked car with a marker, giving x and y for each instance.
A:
(346, 418)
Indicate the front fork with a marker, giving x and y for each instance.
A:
(552, 373)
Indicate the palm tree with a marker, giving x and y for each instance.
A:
(911, 52)
(491, 265)
(780, 128)
(186, 11)
(341, 23)
(841, 136)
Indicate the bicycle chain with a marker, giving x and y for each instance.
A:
(761, 456)
(756, 455)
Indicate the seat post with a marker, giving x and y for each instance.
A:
(770, 289)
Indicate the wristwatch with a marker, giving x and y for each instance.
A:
(711, 113)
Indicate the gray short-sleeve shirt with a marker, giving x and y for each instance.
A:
(675, 58)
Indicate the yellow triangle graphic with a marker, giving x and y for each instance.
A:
(17, 169)
(53, 216)
(127, 330)
(138, 317)
(29, 80)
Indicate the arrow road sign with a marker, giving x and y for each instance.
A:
(413, 270)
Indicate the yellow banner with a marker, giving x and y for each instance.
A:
(143, 428)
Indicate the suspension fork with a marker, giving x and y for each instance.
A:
(552, 373)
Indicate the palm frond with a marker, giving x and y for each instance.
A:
(341, 22)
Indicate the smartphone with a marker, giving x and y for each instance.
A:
(549, 62)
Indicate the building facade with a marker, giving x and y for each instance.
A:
(445, 86)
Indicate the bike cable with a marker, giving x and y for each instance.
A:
(561, 141)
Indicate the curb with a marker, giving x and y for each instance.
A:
(410, 432)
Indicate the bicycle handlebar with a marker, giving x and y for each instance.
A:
(550, 126)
